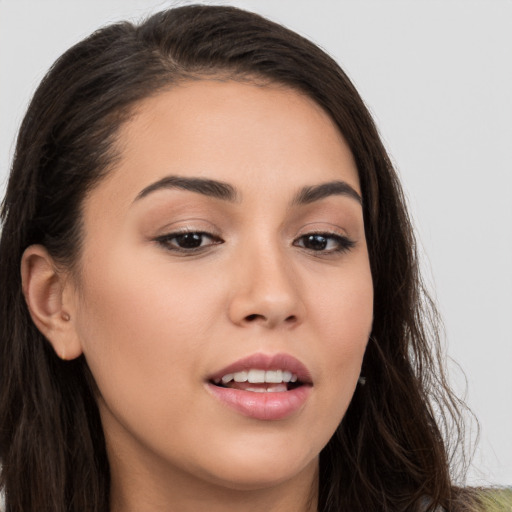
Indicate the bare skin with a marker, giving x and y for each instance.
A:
(274, 271)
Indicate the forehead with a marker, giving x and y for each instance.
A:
(244, 134)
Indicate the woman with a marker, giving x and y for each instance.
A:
(219, 302)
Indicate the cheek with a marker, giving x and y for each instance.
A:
(137, 294)
(344, 305)
(143, 338)
(343, 321)
(139, 323)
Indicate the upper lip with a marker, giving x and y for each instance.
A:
(261, 361)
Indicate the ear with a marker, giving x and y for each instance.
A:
(49, 298)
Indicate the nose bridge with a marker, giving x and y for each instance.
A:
(266, 290)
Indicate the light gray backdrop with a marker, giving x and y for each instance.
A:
(437, 76)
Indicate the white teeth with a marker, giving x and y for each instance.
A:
(259, 376)
(256, 376)
(240, 377)
(274, 376)
(257, 390)
(279, 388)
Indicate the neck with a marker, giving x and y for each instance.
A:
(179, 493)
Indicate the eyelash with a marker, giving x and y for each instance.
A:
(166, 241)
(343, 243)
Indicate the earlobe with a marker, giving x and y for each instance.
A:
(45, 291)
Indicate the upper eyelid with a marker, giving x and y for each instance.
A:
(212, 233)
(170, 232)
(323, 231)
(203, 226)
(174, 234)
(323, 226)
(338, 233)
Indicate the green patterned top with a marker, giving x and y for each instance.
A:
(497, 500)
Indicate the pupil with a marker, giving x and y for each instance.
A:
(189, 240)
(316, 242)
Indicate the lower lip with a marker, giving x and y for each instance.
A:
(262, 406)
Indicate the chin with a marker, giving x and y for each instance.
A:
(254, 465)
(252, 477)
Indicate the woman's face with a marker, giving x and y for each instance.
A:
(228, 242)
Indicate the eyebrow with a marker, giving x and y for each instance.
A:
(314, 193)
(207, 187)
(226, 192)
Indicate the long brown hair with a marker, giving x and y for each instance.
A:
(391, 450)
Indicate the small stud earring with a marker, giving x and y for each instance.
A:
(65, 316)
(362, 381)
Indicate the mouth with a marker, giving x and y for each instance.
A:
(263, 387)
(261, 373)
(256, 380)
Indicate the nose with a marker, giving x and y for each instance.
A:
(266, 292)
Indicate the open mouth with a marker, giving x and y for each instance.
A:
(263, 386)
(259, 381)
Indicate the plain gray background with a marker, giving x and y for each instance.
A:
(437, 76)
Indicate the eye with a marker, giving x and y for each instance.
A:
(189, 241)
(324, 242)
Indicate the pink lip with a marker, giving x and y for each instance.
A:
(269, 405)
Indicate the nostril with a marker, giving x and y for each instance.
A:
(262, 318)
(253, 317)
